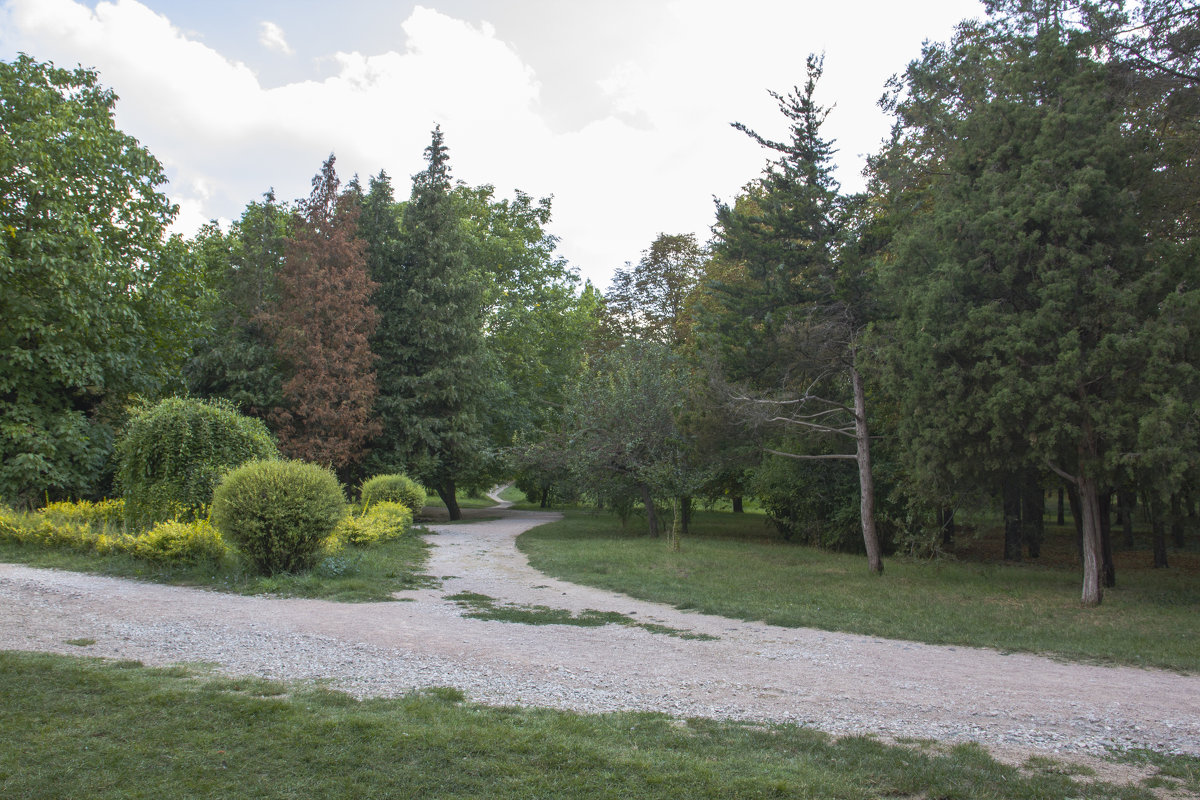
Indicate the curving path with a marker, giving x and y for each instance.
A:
(841, 683)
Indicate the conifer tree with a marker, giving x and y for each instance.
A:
(321, 326)
(432, 360)
(787, 327)
(1038, 324)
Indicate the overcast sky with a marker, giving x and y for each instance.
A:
(620, 109)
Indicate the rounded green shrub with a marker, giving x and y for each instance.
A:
(278, 513)
(395, 489)
(172, 455)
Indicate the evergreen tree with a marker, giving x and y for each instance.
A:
(788, 323)
(236, 358)
(321, 326)
(433, 366)
(1038, 325)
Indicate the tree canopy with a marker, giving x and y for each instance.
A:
(95, 303)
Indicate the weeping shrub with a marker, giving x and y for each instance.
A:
(171, 456)
(278, 513)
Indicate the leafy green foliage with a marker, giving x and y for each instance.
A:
(652, 300)
(101, 515)
(96, 528)
(625, 442)
(394, 488)
(94, 304)
(235, 358)
(175, 542)
(173, 454)
(382, 521)
(278, 513)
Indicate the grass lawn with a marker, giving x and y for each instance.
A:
(357, 575)
(732, 566)
(84, 728)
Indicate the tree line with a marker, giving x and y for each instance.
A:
(1010, 306)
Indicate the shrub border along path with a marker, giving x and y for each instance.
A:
(840, 683)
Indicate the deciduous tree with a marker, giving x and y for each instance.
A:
(95, 303)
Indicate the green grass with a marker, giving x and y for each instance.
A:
(464, 501)
(1174, 772)
(731, 566)
(85, 728)
(357, 575)
(480, 606)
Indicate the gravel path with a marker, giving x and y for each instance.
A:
(841, 683)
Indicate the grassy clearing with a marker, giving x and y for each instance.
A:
(480, 606)
(732, 566)
(356, 575)
(432, 501)
(84, 728)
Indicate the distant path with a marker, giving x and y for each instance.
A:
(841, 683)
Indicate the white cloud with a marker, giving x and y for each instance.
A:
(271, 37)
(650, 164)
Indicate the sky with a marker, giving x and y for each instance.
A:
(618, 109)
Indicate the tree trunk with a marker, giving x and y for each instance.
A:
(545, 500)
(1177, 521)
(866, 481)
(1089, 506)
(1076, 517)
(1062, 517)
(946, 523)
(1126, 500)
(1011, 501)
(685, 514)
(737, 505)
(446, 491)
(651, 516)
(1106, 552)
(1158, 529)
(1033, 513)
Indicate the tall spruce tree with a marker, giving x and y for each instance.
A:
(788, 325)
(432, 361)
(321, 326)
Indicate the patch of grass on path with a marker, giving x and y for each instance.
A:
(357, 575)
(480, 606)
(1173, 772)
(731, 567)
(84, 728)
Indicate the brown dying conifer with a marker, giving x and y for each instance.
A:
(321, 326)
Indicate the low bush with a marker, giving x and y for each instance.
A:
(175, 542)
(395, 489)
(381, 522)
(171, 456)
(278, 513)
(96, 528)
(103, 516)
